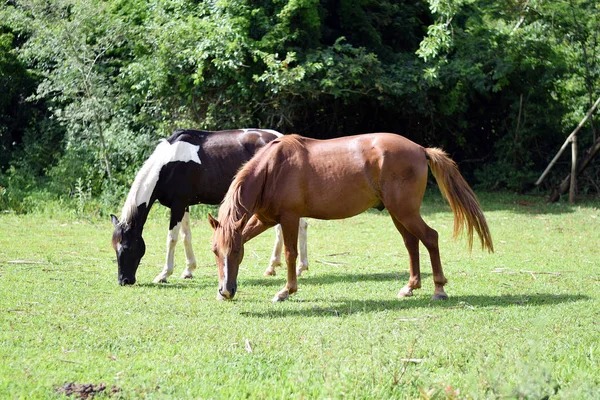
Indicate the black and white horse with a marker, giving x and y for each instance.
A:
(188, 168)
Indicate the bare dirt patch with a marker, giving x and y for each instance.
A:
(85, 390)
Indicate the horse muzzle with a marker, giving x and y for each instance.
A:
(226, 292)
(123, 281)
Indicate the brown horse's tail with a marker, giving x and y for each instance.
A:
(463, 202)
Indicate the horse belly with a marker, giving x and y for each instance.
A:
(341, 194)
(339, 211)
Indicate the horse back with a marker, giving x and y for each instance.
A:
(372, 156)
(220, 155)
(351, 172)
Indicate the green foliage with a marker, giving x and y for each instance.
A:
(91, 85)
(439, 34)
(17, 116)
(13, 189)
(507, 93)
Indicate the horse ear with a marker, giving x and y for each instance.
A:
(115, 220)
(239, 225)
(213, 222)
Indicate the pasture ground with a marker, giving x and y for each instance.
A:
(523, 322)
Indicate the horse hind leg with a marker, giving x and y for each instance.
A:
(429, 237)
(276, 256)
(411, 242)
(302, 246)
(190, 259)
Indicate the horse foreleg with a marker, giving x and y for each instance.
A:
(412, 245)
(289, 226)
(170, 262)
(190, 259)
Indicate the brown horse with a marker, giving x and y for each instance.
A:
(295, 177)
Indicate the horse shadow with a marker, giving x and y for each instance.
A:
(347, 307)
(330, 279)
(194, 284)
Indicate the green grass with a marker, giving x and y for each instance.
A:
(523, 322)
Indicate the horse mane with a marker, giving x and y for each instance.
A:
(233, 199)
(130, 208)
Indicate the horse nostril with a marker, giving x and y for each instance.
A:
(226, 294)
(127, 281)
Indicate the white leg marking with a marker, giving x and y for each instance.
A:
(302, 249)
(190, 260)
(170, 263)
(276, 256)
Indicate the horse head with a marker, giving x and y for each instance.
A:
(228, 246)
(130, 248)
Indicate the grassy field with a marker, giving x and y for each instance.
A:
(523, 322)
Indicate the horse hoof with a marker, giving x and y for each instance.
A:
(270, 272)
(280, 297)
(187, 275)
(440, 296)
(301, 269)
(159, 279)
(405, 292)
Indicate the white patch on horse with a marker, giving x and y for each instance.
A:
(167, 271)
(147, 177)
(225, 272)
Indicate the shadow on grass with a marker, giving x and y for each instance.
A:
(471, 302)
(330, 279)
(278, 280)
(190, 284)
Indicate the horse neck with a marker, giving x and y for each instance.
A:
(143, 191)
(138, 220)
(244, 195)
(142, 214)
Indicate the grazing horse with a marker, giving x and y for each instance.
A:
(190, 167)
(295, 177)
